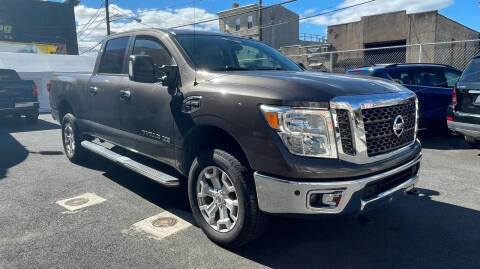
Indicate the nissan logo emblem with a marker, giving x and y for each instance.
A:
(398, 125)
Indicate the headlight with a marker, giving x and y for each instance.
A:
(305, 132)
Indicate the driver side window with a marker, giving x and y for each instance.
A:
(145, 45)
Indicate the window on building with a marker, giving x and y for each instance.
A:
(250, 22)
(114, 56)
(237, 25)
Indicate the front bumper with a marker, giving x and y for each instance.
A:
(281, 196)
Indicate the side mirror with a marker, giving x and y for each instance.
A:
(301, 65)
(142, 69)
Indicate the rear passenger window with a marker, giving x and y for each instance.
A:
(401, 76)
(430, 77)
(114, 56)
(472, 72)
(452, 77)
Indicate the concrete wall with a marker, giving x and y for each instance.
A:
(425, 27)
(275, 32)
(280, 27)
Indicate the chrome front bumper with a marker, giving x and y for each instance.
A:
(291, 197)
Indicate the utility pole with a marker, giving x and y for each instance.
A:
(260, 20)
(107, 17)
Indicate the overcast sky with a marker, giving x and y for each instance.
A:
(163, 13)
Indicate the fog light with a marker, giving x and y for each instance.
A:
(325, 200)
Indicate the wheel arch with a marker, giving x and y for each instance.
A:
(209, 136)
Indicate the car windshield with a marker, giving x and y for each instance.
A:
(472, 72)
(224, 53)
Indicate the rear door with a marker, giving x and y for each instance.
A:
(103, 89)
(468, 89)
(147, 114)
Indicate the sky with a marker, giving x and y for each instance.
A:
(164, 13)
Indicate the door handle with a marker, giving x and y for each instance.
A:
(92, 90)
(125, 94)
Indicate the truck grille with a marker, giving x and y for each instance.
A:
(345, 131)
(378, 124)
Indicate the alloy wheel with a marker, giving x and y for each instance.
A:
(217, 199)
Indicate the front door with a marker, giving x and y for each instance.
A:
(146, 109)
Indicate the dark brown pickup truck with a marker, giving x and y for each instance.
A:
(248, 131)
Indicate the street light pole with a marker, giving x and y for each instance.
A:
(260, 20)
(107, 17)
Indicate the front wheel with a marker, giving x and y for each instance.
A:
(223, 199)
(474, 143)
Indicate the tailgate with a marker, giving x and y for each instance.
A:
(468, 96)
(12, 92)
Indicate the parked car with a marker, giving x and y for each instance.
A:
(248, 131)
(17, 97)
(432, 83)
(463, 115)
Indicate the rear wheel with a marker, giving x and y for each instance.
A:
(474, 143)
(72, 138)
(223, 199)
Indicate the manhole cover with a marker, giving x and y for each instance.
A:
(76, 201)
(164, 222)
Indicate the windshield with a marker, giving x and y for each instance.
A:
(472, 72)
(221, 53)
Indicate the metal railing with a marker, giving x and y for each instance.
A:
(454, 53)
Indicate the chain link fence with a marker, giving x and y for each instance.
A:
(454, 53)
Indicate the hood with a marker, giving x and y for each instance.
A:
(303, 86)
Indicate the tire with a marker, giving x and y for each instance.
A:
(474, 143)
(250, 221)
(72, 138)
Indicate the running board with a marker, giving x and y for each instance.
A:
(128, 163)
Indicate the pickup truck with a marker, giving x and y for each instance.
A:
(248, 131)
(17, 97)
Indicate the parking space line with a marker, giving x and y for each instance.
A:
(81, 201)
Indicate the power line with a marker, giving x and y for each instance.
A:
(233, 15)
(319, 14)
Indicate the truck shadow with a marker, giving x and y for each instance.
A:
(13, 152)
(414, 232)
(17, 125)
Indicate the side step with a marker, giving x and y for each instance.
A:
(126, 162)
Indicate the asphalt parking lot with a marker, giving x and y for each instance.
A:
(438, 228)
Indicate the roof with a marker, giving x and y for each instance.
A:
(175, 32)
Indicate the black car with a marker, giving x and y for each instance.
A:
(463, 115)
(17, 97)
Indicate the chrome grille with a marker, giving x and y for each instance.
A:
(345, 131)
(378, 124)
